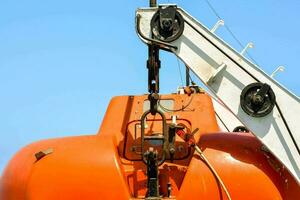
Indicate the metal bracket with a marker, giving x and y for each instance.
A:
(217, 25)
(278, 69)
(164, 137)
(39, 155)
(216, 73)
(250, 45)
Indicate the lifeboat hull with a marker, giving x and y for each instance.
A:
(105, 165)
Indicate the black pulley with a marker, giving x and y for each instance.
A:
(258, 99)
(240, 129)
(167, 24)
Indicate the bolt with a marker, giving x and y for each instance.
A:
(166, 24)
(172, 150)
(257, 100)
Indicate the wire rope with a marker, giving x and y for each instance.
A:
(200, 152)
(179, 69)
(176, 110)
(229, 30)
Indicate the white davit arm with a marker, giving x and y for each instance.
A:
(227, 74)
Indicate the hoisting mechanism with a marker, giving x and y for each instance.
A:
(259, 104)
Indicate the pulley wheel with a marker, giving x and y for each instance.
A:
(257, 99)
(240, 129)
(167, 24)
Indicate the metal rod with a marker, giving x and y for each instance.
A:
(153, 3)
(279, 69)
(152, 41)
(217, 25)
(250, 45)
(187, 76)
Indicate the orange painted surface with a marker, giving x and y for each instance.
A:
(108, 166)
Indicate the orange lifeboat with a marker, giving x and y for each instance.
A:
(112, 164)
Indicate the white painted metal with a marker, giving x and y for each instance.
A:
(217, 25)
(250, 45)
(227, 121)
(279, 69)
(204, 53)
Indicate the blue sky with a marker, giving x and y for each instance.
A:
(62, 61)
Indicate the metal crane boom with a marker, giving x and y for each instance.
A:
(265, 107)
